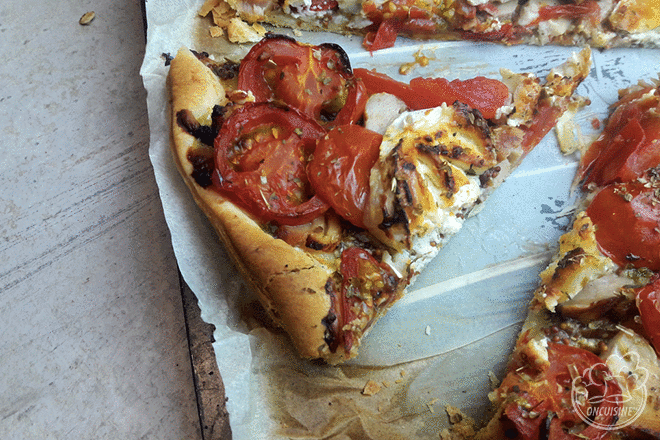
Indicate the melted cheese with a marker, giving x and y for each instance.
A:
(420, 191)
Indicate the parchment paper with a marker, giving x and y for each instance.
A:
(459, 320)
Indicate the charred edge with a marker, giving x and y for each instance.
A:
(186, 120)
(344, 61)
(474, 117)
(488, 175)
(450, 182)
(574, 256)
(225, 71)
(314, 245)
(203, 167)
(330, 322)
(168, 58)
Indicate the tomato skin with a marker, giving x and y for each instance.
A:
(383, 38)
(316, 80)
(648, 304)
(588, 8)
(548, 394)
(261, 153)
(375, 281)
(340, 169)
(628, 146)
(627, 221)
(484, 94)
(545, 118)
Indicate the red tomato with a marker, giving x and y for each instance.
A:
(317, 80)
(375, 282)
(339, 171)
(628, 146)
(648, 303)
(484, 94)
(589, 8)
(383, 38)
(393, 17)
(323, 5)
(548, 394)
(545, 118)
(481, 93)
(627, 220)
(376, 82)
(261, 156)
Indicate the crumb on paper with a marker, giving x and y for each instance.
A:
(430, 405)
(386, 384)
(494, 381)
(462, 427)
(455, 414)
(427, 330)
(239, 31)
(371, 388)
(216, 31)
(87, 18)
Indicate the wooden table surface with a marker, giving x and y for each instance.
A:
(95, 342)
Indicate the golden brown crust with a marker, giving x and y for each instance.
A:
(290, 283)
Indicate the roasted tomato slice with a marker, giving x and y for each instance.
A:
(316, 80)
(366, 286)
(483, 94)
(262, 152)
(586, 9)
(340, 169)
(384, 37)
(628, 146)
(627, 220)
(547, 404)
(393, 17)
(648, 304)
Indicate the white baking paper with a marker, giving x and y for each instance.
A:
(458, 321)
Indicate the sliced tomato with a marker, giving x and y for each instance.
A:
(588, 8)
(261, 158)
(484, 94)
(545, 118)
(393, 17)
(628, 146)
(384, 37)
(316, 80)
(366, 285)
(544, 406)
(627, 220)
(339, 171)
(648, 304)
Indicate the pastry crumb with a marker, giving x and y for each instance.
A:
(371, 388)
(87, 18)
(216, 31)
(239, 31)
(462, 427)
(494, 381)
(207, 7)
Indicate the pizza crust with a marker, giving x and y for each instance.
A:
(290, 284)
